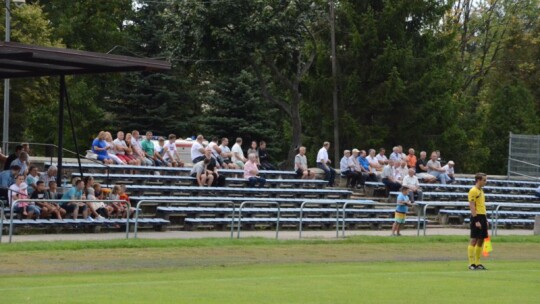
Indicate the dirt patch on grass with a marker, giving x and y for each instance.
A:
(38, 262)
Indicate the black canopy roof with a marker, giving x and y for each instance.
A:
(20, 60)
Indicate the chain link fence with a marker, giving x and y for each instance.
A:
(524, 155)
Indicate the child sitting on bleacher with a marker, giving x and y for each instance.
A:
(401, 211)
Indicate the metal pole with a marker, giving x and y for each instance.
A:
(5, 133)
(509, 155)
(59, 174)
(1, 219)
(66, 96)
(334, 78)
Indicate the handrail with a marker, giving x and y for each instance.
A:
(180, 201)
(64, 200)
(257, 203)
(320, 203)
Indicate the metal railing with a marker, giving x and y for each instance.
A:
(258, 203)
(318, 203)
(178, 202)
(12, 206)
(343, 217)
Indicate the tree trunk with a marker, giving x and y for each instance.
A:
(296, 124)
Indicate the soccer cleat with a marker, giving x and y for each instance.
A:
(481, 267)
(472, 267)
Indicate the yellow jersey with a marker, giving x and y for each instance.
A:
(477, 196)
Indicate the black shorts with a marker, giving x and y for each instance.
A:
(479, 233)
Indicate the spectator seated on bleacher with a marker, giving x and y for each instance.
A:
(216, 153)
(411, 159)
(122, 151)
(368, 173)
(149, 150)
(111, 149)
(435, 169)
(381, 157)
(411, 182)
(32, 178)
(347, 168)
(388, 177)
(203, 177)
(403, 170)
(160, 151)
(264, 158)
(99, 147)
(49, 176)
(18, 191)
(376, 167)
(12, 157)
(212, 168)
(226, 154)
(7, 178)
(323, 163)
(171, 153)
(197, 149)
(237, 154)
(138, 150)
(52, 190)
(48, 209)
(92, 208)
(300, 165)
(21, 161)
(253, 149)
(449, 169)
(95, 193)
(251, 172)
(422, 169)
(73, 201)
(395, 155)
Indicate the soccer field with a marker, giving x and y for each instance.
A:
(359, 270)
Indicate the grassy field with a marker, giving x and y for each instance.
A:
(355, 270)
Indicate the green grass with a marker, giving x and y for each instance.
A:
(212, 242)
(354, 270)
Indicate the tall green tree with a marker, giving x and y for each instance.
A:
(273, 39)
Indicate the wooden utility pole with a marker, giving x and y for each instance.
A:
(334, 78)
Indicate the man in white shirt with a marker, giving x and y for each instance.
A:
(226, 154)
(449, 168)
(170, 152)
(137, 149)
(237, 154)
(388, 177)
(411, 182)
(324, 163)
(374, 162)
(381, 157)
(347, 167)
(197, 150)
(435, 169)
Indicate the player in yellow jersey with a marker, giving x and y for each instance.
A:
(479, 224)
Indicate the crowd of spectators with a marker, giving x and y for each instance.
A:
(20, 181)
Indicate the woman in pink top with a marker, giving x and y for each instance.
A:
(251, 172)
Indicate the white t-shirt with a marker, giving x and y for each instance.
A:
(380, 157)
(22, 190)
(322, 156)
(410, 181)
(195, 150)
(237, 149)
(171, 149)
(448, 169)
(119, 143)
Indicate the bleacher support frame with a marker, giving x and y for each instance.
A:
(177, 202)
(319, 203)
(2, 206)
